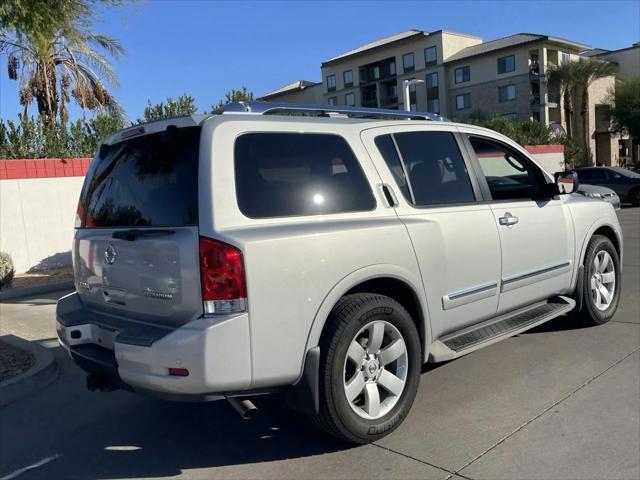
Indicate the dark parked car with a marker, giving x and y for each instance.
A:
(622, 181)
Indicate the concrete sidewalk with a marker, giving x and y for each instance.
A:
(560, 401)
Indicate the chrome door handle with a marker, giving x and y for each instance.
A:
(508, 220)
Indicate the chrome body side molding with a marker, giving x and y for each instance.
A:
(468, 295)
(520, 280)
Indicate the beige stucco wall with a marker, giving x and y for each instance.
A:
(628, 61)
(37, 220)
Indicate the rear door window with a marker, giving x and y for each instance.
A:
(147, 181)
(291, 174)
(437, 172)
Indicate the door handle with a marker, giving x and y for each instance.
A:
(508, 220)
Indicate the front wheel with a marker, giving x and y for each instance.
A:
(370, 368)
(601, 282)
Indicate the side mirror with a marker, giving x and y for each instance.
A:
(567, 182)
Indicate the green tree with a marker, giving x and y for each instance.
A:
(233, 95)
(575, 78)
(182, 106)
(626, 112)
(54, 54)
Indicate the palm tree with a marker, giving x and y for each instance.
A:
(575, 78)
(67, 60)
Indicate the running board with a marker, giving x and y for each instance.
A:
(471, 338)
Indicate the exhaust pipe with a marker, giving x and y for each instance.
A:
(245, 407)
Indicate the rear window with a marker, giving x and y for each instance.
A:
(290, 174)
(148, 181)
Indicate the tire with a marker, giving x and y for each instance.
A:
(353, 328)
(634, 197)
(597, 308)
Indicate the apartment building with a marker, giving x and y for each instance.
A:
(461, 75)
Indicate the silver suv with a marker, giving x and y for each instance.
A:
(325, 252)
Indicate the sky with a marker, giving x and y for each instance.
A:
(206, 48)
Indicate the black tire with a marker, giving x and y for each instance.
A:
(352, 313)
(634, 197)
(590, 313)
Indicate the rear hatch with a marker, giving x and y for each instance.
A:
(135, 250)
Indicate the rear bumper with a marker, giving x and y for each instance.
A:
(215, 351)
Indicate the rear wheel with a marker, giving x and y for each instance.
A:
(601, 281)
(370, 368)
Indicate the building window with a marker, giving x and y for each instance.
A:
(433, 105)
(463, 101)
(392, 68)
(348, 78)
(332, 100)
(507, 93)
(407, 62)
(463, 74)
(350, 99)
(331, 82)
(507, 64)
(376, 73)
(566, 57)
(430, 56)
(432, 80)
(510, 116)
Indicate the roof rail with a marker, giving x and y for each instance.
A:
(274, 108)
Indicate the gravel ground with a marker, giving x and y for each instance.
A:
(13, 361)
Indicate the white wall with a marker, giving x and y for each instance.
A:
(37, 219)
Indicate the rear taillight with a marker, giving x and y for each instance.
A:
(80, 215)
(224, 289)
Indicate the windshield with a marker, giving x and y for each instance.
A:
(146, 181)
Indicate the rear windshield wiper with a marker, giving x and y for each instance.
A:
(131, 235)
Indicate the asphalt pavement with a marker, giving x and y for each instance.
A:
(560, 401)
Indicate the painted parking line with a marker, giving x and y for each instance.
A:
(22, 470)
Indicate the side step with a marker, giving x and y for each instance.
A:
(495, 329)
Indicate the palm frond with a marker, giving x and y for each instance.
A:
(107, 43)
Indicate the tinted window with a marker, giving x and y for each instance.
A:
(287, 174)
(390, 155)
(591, 175)
(150, 180)
(506, 64)
(437, 172)
(462, 74)
(508, 174)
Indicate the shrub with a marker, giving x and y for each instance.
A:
(6, 270)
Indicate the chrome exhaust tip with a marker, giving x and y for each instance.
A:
(244, 407)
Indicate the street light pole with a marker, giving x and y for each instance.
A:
(406, 84)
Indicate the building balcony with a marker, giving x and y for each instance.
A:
(553, 99)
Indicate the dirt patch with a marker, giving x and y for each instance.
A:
(42, 277)
(13, 361)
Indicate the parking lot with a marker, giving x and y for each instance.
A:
(560, 401)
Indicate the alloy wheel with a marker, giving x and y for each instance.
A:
(375, 369)
(603, 280)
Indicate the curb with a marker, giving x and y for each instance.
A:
(43, 372)
(36, 290)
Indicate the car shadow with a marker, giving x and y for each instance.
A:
(97, 435)
(559, 324)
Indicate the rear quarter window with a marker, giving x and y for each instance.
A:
(292, 174)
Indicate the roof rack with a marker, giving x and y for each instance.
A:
(274, 108)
